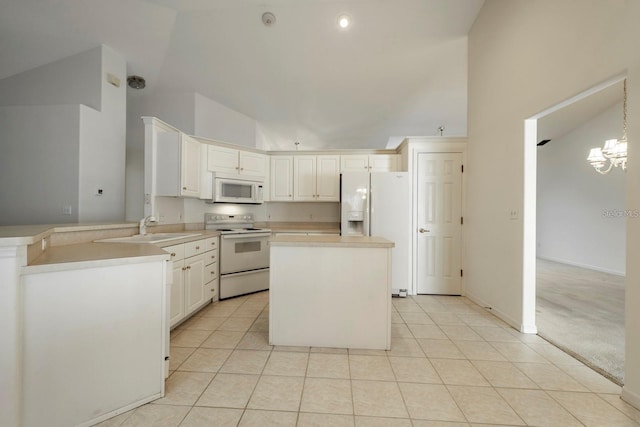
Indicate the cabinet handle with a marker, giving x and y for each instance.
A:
(241, 169)
(237, 168)
(184, 268)
(173, 254)
(197, 248)
(184, 188)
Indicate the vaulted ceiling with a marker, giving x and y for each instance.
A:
(399, 70)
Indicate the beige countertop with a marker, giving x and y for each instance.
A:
(88, 255)
(28, 234)
(332, 241)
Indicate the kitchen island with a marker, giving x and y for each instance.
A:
(330, 291)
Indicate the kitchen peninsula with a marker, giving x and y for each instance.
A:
(84, 324)
(330, 291)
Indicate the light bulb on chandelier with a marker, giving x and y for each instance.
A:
(614, 151)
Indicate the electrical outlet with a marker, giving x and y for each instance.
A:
(67, 209)
(513, 214)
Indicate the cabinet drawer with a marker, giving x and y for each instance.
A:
(194, 248)
(211, 243)
(210, 257)
(210, 272)
(176, 251)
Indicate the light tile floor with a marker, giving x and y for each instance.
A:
(451, 364)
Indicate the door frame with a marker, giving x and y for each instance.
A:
(530, 197)
(409, 150)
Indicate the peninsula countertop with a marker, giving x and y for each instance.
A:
(332, 241)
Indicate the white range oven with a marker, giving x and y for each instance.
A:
(244, 254)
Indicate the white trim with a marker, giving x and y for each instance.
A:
(525, 329)
(529, 222)
(419, 145)
(587, 266)
(630, 397)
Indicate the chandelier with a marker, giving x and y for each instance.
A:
(614, 151)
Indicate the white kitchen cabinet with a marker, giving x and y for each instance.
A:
(193, 283)
(195, 277)
(178, 165)
(369, 163)
(281, 182)
(316, 178)
(230, 161)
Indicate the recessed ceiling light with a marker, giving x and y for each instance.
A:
(344, 21)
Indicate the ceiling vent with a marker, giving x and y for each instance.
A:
(136, 82)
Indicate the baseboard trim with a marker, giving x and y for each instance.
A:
(630, 397)
(587, 266)
(525, 329)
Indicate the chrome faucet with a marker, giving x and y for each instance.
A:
(144, 222)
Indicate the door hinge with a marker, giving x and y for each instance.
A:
(461, 220)
(461, 273)
(462, 168)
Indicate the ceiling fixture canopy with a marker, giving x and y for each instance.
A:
(268, 19)
(136, 82)
(615, 150)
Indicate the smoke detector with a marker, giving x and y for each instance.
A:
(268, 19)
(136, 82)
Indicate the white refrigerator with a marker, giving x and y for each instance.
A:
(379, 204)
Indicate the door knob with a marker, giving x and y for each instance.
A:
(422, 230)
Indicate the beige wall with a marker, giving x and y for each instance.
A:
(525, 57)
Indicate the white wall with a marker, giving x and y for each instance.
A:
(68, 151)
(525, 57)
(579, 211)
(39, 164)
(103, 148)
(72, 80)
(631, 390)
(215, 121)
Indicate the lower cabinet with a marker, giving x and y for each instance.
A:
(195, 277)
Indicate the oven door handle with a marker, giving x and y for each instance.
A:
(245, 235)
(244, 273)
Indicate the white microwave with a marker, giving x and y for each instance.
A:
(236, 190)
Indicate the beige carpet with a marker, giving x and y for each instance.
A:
(582, 311)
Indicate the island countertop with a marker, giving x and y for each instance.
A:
(334, 241)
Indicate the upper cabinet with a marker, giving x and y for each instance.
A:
(281, 182)
(316, 178)
(236, 162)
(369, 163)
(178, 165)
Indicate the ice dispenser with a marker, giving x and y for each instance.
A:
(355, 224)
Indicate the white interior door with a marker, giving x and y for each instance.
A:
(439, 223)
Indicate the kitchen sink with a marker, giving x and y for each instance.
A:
(150, 238)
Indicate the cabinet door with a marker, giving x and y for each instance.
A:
(252, 164)
(304, 178)
(222, 159)
(176, 311)
(194, 283)
(383, 162)
(281, 183)
(190, 167)
(354, 163)
(328, 178)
